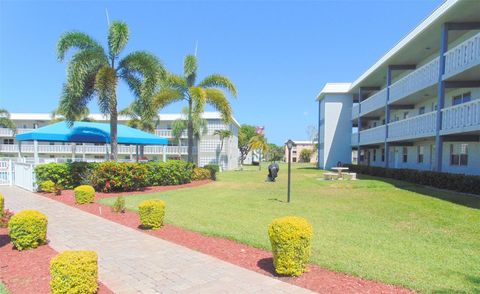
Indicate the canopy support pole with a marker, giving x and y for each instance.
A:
(73, 151)
(83, 149)
(35, 152)
(136, 153)
(164, 153)
(131, 153)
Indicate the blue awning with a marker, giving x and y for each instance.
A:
(90, 132)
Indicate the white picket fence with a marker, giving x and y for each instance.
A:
(17, 173)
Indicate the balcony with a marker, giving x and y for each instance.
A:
(374, 102)
(168, 133)
(4, 132)
(414, 127)
(373, 136)
(421, 78)
(462, 57)
(355, 108)
(354, 139)
(461, 118)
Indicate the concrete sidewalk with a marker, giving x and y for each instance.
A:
(134, 262)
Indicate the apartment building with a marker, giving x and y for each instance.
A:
(297, 150)
(206, 149)
(418, 106)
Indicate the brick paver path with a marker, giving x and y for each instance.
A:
(134, 262)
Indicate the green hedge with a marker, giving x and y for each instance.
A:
(441, 180)
(115, 176)
(172, 172)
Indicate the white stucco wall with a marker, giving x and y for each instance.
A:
(335, 130)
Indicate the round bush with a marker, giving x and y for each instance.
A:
(291, 244)
(152, 213)
(74, 271)
(28, 229)
(48, 186)
(2, 204)
(84, 194)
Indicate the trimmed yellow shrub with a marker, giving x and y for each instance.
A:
(48, 186)
(28, 229)
(2, 204)
(74, 271)
(84, 194)
(200, 173)
(152, 213)
(291, 244)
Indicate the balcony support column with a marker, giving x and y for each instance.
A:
(83, 152)
(386, 146)
(318, 132)
(359, 125)
(19, 149)
(440, 98)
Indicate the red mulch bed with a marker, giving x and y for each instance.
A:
(28, 271)
(317, 279)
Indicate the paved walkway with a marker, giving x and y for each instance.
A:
(133, 262)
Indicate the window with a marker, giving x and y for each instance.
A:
(374, 124)
(405, 115)
(294, 159)
(383, 121)
(8, 141)
(421, 110)
(420, 152)
(374, 154)
(383, 155)
(459, 154)
(459, 99)
(404, 154)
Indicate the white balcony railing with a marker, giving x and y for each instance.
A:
(4, 132)
(462, 57)
(374, 102)
(418, 126)
(89, 149)
(463, 117)
(355, 113)
(354, 139)
(417, 80)
(168, 133)
(373, 135)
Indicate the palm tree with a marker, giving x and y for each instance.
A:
(5, 121)
(259, 142)
(223, 134)
(57, 116)
(180, 125)
(178, 88)
(93, 72)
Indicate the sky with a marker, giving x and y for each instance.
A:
(279, 54)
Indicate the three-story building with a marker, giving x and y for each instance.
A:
(418, 106)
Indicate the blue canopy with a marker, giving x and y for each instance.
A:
(90, 132)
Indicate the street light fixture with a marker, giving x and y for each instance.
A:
(290, 144)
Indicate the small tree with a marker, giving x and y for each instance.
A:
(259, 142)
(223, 134)
(275, 153)
(6, 122)
(305, 155)
(245, 134)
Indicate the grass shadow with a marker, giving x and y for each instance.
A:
(277, 200)
(467, 200)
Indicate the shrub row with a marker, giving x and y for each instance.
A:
(441, 180)
(113, 176)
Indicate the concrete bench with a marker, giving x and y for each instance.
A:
(330, 176)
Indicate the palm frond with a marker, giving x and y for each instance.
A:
(219, 81)
(5, 121)
(223, 133)
(75, 40)
(105, 86)
(190, 69)
(219, 101)
(142, 71)
(199, 97)
(84, 65)
(259, 142)
(165, 97)
(117, 38)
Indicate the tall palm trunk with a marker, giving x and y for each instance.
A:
(114, 131)
(190, 132)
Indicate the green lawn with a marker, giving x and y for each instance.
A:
(3, 289)
(384, 230)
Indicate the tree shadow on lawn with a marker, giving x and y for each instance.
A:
(473, 283)
(467, 200)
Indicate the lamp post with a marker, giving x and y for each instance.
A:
(290, 145)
